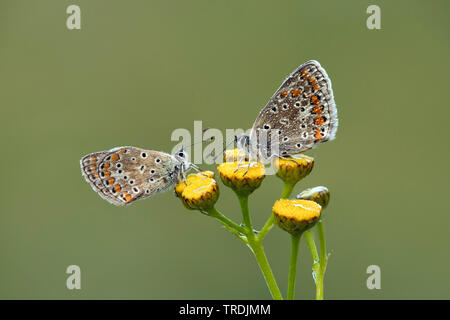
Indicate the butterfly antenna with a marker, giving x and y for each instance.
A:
(225, 148)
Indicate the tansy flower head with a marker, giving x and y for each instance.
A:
(296, 216)
(199, 192)
(242, 178)
(179, 188)
(234, 155)
(320, 194)
(293, 169)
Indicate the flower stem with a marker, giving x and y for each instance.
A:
(243, 201)
(312, 246)
(287, 190)
(323, 261)
(258, 250)
(295, 240)
(261, 258)
(267, 226)
(213, 212)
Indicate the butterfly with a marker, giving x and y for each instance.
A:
(299, 116)
(123, 175)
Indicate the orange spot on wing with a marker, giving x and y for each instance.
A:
(115, 157)
(107, 173)
(317, 110)
(128, 198)
(304, 74)
(93, 159)
(295, 92)
(122, 151)
(316, 87)
(93, 169)
(315, 100)
(319, 120)
(117, 188)
(312, 80)
(111, 181)
(284, 93)
(318, 135)
(106, 165)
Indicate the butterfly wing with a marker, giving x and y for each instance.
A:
(129, 173)
(302, 112)
(90, 170)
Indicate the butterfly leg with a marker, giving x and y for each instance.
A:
(183, 174)
(239, 165)
(248, 168)
(196, 168)
(225, 148)
(249, 164)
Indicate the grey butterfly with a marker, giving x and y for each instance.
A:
(299, 116)
(125, 174)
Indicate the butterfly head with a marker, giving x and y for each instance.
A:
(183, 157)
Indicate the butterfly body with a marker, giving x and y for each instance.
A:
(125, 174)
(299, 116)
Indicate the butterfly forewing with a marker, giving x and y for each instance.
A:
(127, 174)
(302, 113)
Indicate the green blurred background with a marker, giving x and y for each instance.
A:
(137, 70)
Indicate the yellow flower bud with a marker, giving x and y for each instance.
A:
(293, 169)
(199, 192)
(234, 155)
(296, 216)
(243, 179)
(320, 194)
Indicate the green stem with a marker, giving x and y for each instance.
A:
(261, 258)
(323, 261)
(267, 226)
(258, 250)
(295, 240)
(243, 201)
(213, 212)
(312, 246)
(287, 190)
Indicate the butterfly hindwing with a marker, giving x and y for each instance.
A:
(90, 170)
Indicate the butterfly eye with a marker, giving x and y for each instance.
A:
(181, 154)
